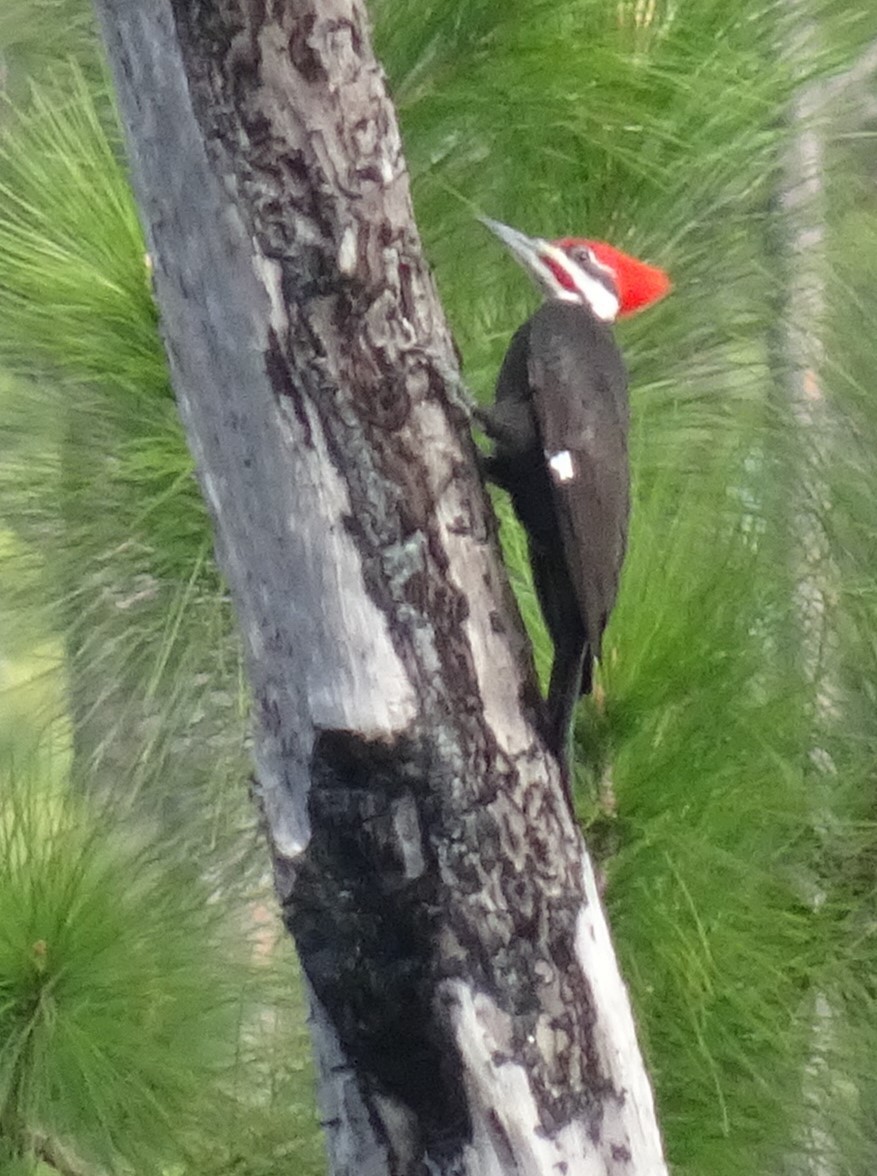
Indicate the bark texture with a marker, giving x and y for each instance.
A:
(469, 1015)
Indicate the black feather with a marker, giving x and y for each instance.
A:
(563, 388)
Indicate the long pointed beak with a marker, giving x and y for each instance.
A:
(527, 250)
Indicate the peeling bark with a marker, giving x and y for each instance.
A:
(469, 1015)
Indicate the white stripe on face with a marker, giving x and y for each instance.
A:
(602, 301)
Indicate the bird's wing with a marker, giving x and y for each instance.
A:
(579, 388)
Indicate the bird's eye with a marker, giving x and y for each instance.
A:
(582, 255)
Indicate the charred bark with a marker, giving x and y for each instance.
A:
(469, 1015)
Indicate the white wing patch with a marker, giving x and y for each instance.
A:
(561, 465)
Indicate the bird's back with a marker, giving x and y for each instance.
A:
(562, 395)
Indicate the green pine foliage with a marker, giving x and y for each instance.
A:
(118, 987)
(738, 870)
(78, 319)
(97, 482)
(74, 262)
(36, 35)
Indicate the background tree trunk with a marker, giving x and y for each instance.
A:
(804, 358)
(469, 1015)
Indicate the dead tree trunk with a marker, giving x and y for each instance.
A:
(470, 1017)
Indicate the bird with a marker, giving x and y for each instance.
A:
(559, 426)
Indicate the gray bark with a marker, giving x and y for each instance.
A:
(469, 1014)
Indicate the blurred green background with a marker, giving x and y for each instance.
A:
(151, 1017)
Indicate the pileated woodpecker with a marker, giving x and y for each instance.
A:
(559, 426)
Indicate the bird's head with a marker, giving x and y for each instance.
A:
(610, 283)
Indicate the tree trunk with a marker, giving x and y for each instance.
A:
(469, 1014)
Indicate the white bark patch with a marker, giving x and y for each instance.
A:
(562, 466)
(286, 816)
(370, 691)
(504, 1109)
(290, 829)
(355, 679)
(209, 488)
(630, 1122)
(347, 251)
(270, 274)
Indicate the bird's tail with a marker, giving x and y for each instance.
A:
(570, 679)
